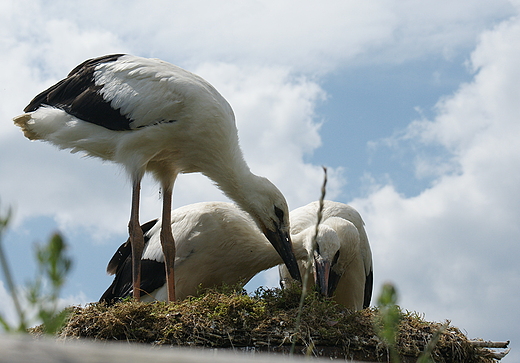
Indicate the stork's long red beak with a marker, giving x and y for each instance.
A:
(282, 243)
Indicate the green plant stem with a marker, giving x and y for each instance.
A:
(4, 221)
(389, 318)
(425, 356)
(53, 267)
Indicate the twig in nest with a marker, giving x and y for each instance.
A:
(305, 277)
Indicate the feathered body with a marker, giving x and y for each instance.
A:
(151, 116)
(114, 108)
(343, 252)
(217, 243)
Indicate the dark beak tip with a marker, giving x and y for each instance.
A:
(294, 271)
(322, 277)
(296, 274)
(292, 266)
(282, 243)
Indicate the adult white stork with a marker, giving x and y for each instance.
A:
(341, 260)
(216, 242)
(151, 116)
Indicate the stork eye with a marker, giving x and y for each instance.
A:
(279, 213)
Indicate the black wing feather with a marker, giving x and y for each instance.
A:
(153, 277)
(369, 282)
(153, 272)
(79, 96)
(125, 250)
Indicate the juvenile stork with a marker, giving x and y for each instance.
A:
(151, 116)
(341, 260)
(216, 243)
(230, 247)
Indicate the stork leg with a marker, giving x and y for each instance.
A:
(136, 239)
(167, 241)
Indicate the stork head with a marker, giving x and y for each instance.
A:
(267, 205)
(326, 253)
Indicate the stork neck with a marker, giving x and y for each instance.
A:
(233, 178)
(300, 249)
(302, 244)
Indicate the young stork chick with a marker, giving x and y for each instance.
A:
(339, 262)
(217, 243)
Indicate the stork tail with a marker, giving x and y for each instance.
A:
(24, 121)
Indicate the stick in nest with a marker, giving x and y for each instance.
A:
(306, 276)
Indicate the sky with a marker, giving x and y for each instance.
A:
(412, 105)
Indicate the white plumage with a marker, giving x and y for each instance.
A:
(217, 244)
(151, 116)
(342, 264)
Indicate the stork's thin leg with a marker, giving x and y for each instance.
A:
(167, 242)
(136, 239)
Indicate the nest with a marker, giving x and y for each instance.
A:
(266, 321)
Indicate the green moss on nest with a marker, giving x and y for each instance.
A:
(265, 321)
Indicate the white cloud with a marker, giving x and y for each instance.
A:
(446, 248)
(277, 127)
(439, 27)
(452, 249)
(275, 114)
(304, 35)
(271, 104)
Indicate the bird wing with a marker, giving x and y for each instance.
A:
(80, 96)
(124, 251)
(352, 215)
(153, 272)
(347, 212)
(154, 277)
(369, 283)
(122, 92)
